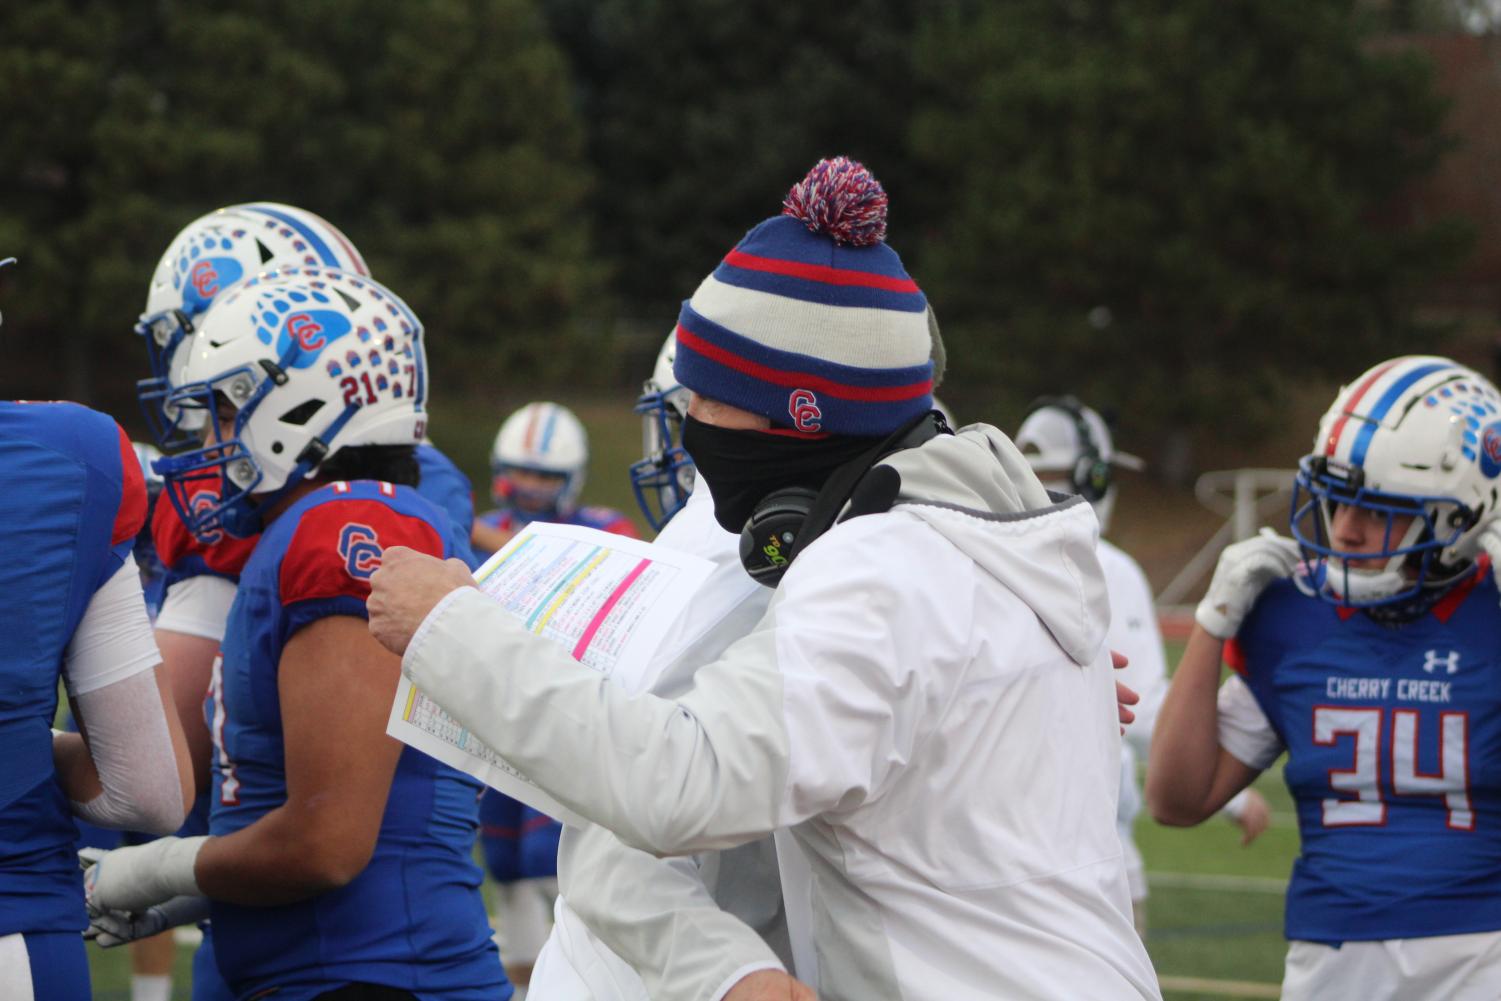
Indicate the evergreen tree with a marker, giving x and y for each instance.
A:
(1173, 206)
(440, 136)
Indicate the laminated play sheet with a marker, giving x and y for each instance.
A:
(606, 599)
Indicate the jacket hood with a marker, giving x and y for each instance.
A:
(976, 490)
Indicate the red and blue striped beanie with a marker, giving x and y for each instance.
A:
(811, 320)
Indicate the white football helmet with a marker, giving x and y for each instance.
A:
(1417, 436)
(206, 257)
(663, 477)
(540, 438)
(1070, 448)
(311, 360)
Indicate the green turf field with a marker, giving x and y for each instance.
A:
(1215, 911)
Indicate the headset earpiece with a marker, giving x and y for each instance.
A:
(1092, 477)
(1092, 473)
(788, 519)
(767, 540)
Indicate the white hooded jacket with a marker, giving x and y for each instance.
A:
(927, 705)
(692, 927)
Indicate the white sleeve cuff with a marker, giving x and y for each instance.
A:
(1237, 805)
(197, 606)
(741, 974)
(410, 657)
(113, 640)
(1244, 730)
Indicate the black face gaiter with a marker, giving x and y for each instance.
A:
(742, 467)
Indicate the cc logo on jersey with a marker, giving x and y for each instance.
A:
(361, 550)
(202, 502)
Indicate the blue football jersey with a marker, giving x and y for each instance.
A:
(1393, 737)
(518, 841)
(413, 919)
(74, 501)
(445, 485)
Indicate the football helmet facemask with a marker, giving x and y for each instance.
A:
(663, 477)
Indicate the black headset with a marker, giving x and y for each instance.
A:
(786, 521)
(1091, 474)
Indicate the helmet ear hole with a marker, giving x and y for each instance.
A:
(301, 414)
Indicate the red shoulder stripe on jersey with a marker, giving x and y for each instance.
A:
(172, 538)
(337, 547)
(622, 526)
(1235, 657)
(132, 513)
(175, 545)
(1449, 603)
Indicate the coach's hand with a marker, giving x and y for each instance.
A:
(1125, 697)
(1243, 572)
(770, 985)
(405, 588)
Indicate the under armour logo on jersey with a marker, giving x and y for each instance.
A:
(802, 406)
(1450, 661)
(361, 550)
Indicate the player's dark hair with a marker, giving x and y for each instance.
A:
(391, 463)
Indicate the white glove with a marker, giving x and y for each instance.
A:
(1243, 572)
(108, 928)
(133, 879)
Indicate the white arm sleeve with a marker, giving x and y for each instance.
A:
(198, 606)
(1134, 631)
(132, 751)
(113, 640)
(1244, 729)
(658, 916)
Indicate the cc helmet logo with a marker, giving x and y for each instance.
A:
(1490, 450)
(306, 331)
(802, 405)
(361, 550)
(205, 279)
